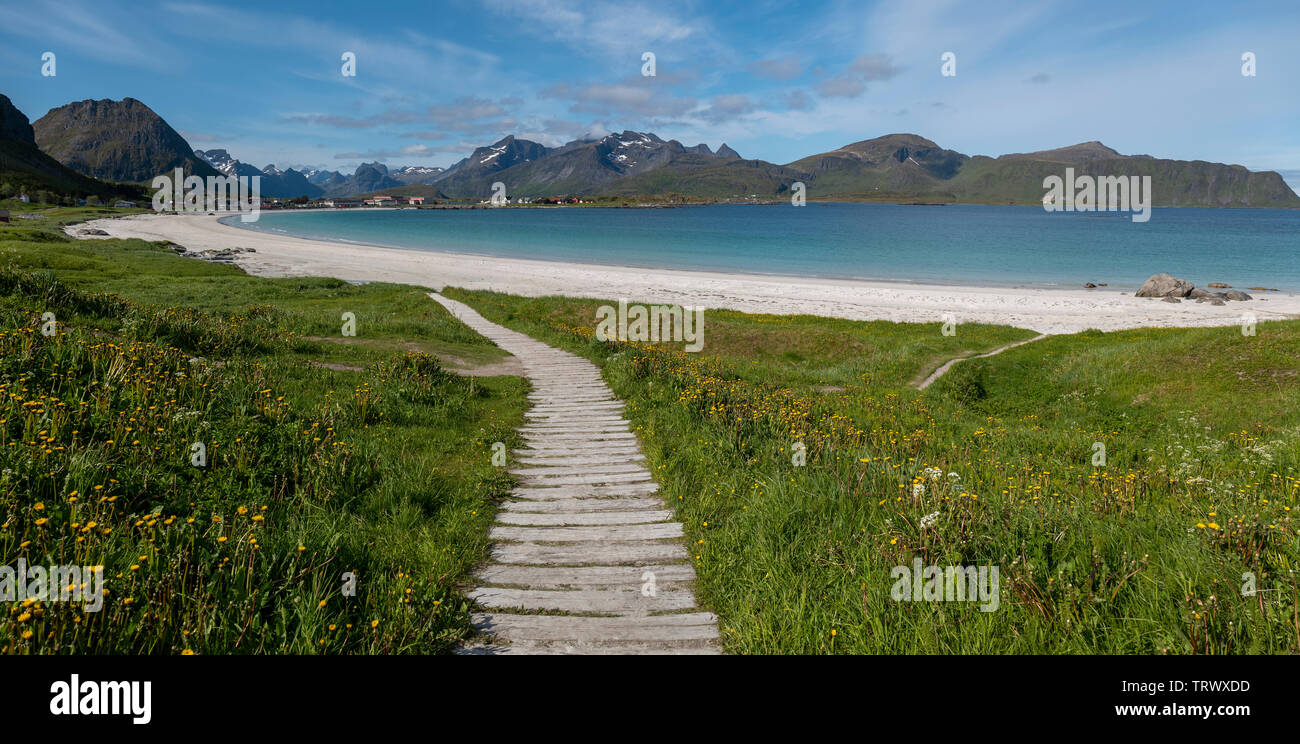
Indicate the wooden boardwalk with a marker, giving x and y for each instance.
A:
(586, 558)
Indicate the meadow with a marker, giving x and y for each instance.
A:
(797, 451)
(327, 461)
(1154, 549)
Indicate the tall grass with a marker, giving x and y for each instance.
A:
(312, 477)
(991, 466)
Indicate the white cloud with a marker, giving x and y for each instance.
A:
(613, 29)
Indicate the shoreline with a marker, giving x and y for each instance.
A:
(955, 284)
(1044, 310)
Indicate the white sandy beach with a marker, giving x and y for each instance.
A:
(1042, 310)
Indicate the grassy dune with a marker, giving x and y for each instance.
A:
(323, 457)
(992, 465)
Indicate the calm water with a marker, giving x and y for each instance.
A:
(956, 244)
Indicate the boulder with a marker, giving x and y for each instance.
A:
(1170, 298)
(1236, 294)
(1089, 285)
(1199, 294)
(1220, 285)
(1217, 302)
(1164, 285)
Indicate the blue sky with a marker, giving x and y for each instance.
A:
(776, 80)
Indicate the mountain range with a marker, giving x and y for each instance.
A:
(287, 184)
(126, 141)
(590, 166)
(903, 167)
(315, 183)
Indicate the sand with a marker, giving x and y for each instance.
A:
(1045, 310)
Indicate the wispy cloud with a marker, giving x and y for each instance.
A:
(93, 30)
(782, 68)
(412, 151)
(853, 81)
(605, 29)
(631, 97)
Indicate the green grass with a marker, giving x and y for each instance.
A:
(383, 470)
(312, 472)
(1144, 555)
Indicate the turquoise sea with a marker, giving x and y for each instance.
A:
(987, 245)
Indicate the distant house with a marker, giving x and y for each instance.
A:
(415, 200)
(4, 215)
(24, 198)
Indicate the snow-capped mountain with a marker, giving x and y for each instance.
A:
(484, 161)
(409, 174)
(319, 175)
(221, 160)
(284, 184)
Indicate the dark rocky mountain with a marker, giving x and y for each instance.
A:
(468, 176)
(368, 178)
(288, 184)
(14, 124)
(726, 152)
(23, 167)
(116, 140)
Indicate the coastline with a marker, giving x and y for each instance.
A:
(1045, 310)
(738, 273)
